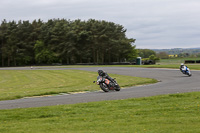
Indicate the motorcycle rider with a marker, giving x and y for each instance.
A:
(183, 68)
(105, 75)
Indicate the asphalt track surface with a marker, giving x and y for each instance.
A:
(171, 81)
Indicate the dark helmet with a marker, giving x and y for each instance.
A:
(100, 72)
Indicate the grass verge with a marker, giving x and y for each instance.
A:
(25, 83)
(158, 65)
(177, 113)
(171, 66)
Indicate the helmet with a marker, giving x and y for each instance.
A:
(100, 72)
(182, 64)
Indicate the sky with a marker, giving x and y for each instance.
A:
(155, 24)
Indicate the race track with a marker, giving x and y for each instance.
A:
(171, 81)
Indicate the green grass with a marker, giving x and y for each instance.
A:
(158, 65)
(171, 66)
(173, 63)
(25, 83)
(174, 113)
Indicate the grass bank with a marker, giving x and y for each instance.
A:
(158, 65)
(171, 66)
(177, 113)
(25, 83)
(173, 63)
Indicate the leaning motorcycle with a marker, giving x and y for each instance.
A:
(187, 71)
(106, 85)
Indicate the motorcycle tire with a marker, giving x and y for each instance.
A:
(117, 88)
(104, 87)
(189, 74)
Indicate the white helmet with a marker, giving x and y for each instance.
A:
(182, 64)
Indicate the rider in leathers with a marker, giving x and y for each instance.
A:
(183, 68)
(105, 75)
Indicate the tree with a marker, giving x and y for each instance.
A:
(69, 41)
(154, 58)
(145, 53)
(42, 54)
(3, 41)
(26, 41)
(10, 48)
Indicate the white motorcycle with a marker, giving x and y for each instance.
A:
(187, 71)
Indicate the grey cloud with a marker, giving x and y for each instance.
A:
(153, 23)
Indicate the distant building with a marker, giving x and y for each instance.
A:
(173, 56)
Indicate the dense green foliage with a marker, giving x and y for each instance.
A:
(63, 41)
(173, 113)
(146, 53)
(148, 56)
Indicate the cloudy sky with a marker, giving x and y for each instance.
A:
(153, 23)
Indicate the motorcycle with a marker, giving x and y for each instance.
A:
(187, 71)
(106, 85)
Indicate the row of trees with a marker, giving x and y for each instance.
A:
(148, 56)
(146, 53)
(164, 54)
(180, 52)
(63, 41)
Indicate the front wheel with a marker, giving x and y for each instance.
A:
(189, 73)
(104, 87)
(117, 88)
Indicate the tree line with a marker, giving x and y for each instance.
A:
(64, 41)
(180, 52)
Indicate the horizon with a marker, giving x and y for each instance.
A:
(169, 48)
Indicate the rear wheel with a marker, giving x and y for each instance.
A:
(104, 87)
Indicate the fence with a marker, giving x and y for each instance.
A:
(191, 61)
